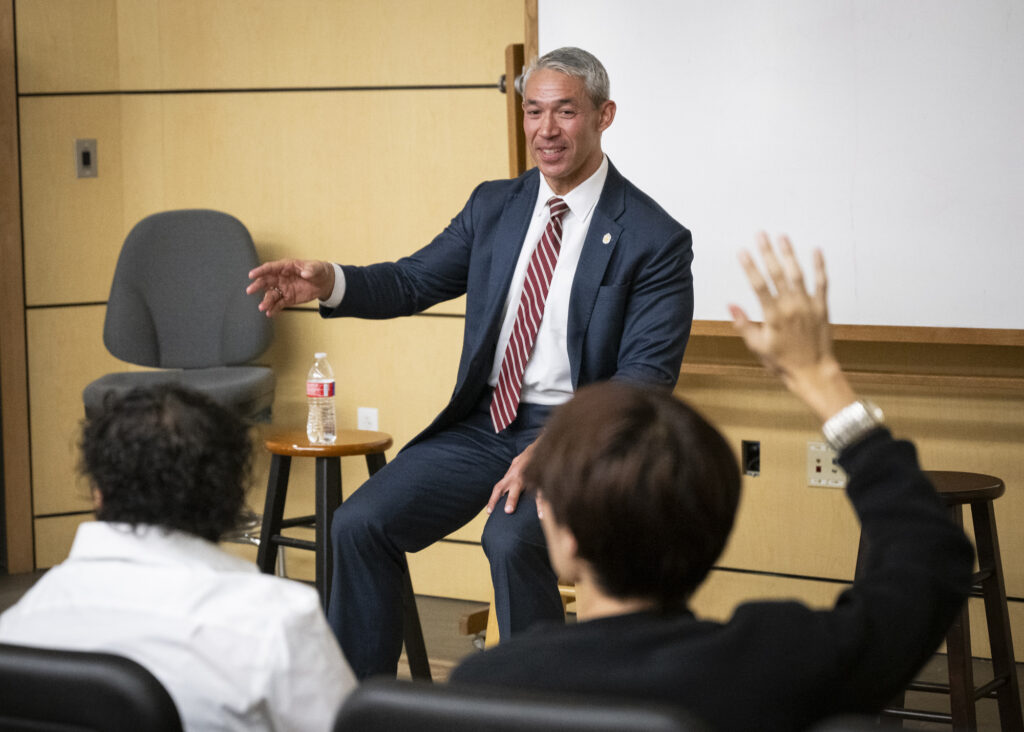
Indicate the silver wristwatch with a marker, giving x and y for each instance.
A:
(851, 423)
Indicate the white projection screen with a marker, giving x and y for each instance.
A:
(890, 133)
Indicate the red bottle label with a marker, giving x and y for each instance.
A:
(319, 388)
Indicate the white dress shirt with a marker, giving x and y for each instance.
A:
(547, 379)
(236, 649)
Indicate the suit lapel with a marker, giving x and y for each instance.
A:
(508, 241)
(602, 238)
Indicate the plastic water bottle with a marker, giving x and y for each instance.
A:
(320, 424)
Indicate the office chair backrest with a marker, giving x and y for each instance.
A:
(178, 296)
(402, 706)
(59, 691)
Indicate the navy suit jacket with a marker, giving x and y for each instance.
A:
(630, 307)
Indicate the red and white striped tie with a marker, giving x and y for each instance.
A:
(505, 403)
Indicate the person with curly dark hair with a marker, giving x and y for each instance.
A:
(168, 469)
(637, 493)
(167, 457)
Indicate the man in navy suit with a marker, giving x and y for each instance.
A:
(619, 306)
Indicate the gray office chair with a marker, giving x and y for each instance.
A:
(58, 691)
(404, 706)
(178, 304)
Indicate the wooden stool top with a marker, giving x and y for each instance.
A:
(956, 487)
(348, 442)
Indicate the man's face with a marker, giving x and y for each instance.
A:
(563, 128)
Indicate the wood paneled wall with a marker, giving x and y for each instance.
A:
(962, 405)
(339, 130)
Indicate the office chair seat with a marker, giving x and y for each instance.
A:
(246, 390)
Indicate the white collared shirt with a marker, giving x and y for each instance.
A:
(236, 649)
(548, 379)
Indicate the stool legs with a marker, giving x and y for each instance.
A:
(993, 590)
(328, 498)
(959, 661)
(273, 512)
(412, 634)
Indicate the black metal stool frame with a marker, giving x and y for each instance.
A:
(328, 498)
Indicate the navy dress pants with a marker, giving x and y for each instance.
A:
(428, 491)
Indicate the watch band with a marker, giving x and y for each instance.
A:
(851, 423)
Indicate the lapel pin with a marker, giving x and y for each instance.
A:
(607, 238)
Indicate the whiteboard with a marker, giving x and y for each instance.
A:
(889, 133)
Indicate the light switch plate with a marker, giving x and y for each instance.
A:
(85, 158)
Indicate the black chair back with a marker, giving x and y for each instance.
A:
(399, 706)
(48, 690)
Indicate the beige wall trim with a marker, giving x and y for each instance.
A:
(985, 383)
(514, 107)
(13, 374)
(893, 334)
(531, 43)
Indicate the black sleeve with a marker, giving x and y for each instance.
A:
(914, 578)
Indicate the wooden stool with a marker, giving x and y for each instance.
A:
(283, 446)
(977, 491)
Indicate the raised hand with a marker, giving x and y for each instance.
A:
(288, 282)
(795, 339)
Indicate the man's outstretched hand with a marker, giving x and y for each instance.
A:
(288, 282)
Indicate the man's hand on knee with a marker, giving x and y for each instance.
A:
(512, 483)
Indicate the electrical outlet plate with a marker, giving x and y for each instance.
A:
(822, 467)
(367, 418)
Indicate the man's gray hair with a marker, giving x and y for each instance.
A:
(577, 63)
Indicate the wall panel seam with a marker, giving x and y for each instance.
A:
(783, 575)
(259, 90)
(811, 578)
(54, 306)
(64, 514)
(96, 303)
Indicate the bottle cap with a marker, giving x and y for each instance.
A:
(320, 354)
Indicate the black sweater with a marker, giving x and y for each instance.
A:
(777, 665)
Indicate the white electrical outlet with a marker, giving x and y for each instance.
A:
(368, 418)
(822, 467)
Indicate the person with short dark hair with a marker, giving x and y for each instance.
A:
(235, 649)
(637, 495)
